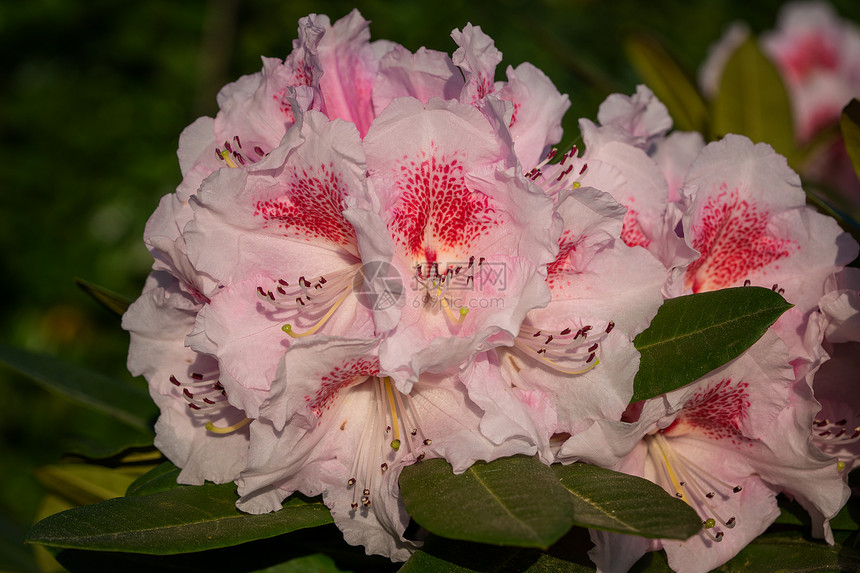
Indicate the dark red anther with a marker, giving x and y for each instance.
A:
(228, 147)
(282, 291)
(609, 327)
(565, 332)
(218, 154)
(174, 381)
(820, 423)
(271, 296)
(208, 401)
(238, 143)
(548, 339)
(217, 386)
(737, 489)
(197, 376)
(564, 173)
(551, 153)
(536, 334)
(584, 168)
(300, 301)
(322, 280)
(259, 151)
(590, 358)
(188, 393)
(747, 282)
(542, 351)
(261, 291)
(193, 406)
(841, 422)
(240, 159)
(774, 287)
(585, 329)
(710, 495)
(593, 347)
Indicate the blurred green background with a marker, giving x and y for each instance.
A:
(93, 96)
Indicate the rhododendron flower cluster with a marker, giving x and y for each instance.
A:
(377, 257)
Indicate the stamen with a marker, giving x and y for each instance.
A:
(304, 298)
(687, 478)
(392, 422)
(234, 157)
(561, 351)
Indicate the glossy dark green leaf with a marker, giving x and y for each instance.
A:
(295, 552)
(160, 478)
(181, 520)
(790, 552)
(512, 501)
(114, 302)
(116, 398)
(850, 125)
(752, 100)
(694, 334)
(670, 84)
(613, 501)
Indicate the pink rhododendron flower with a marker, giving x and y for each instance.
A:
(576, 354)
(726, 445)
(197, 429)
(618, 160)
(749, 220)
(335, 425)
(459, 217)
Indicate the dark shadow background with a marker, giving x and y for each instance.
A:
(93, 96)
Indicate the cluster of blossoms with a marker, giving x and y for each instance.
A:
(377, 257)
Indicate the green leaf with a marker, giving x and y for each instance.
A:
(670, 84)
(790, 552)
(613, 501)
(752, 100)
(181, 520)
(160, 478)
(116, 303)
(512, 501)
(297, 551)
(116, 398)
(850, 125)
(694, 334)
(84, 483)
